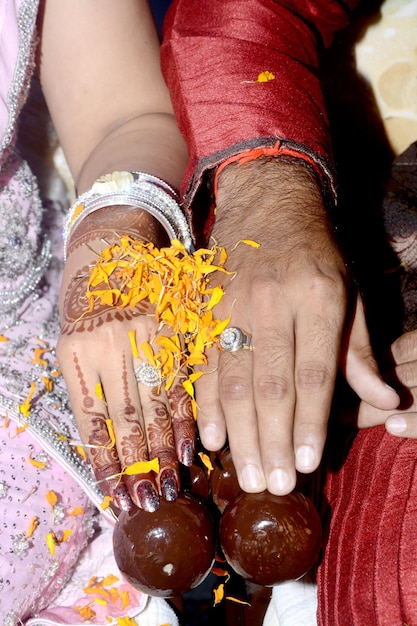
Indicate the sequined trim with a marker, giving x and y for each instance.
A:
(24, 67)
(24, 252)
(55, 442)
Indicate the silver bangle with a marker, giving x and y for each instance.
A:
(134, 189)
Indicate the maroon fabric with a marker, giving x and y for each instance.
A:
(369, 574)
(212, 54)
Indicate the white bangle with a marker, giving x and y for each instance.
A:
(134, 189)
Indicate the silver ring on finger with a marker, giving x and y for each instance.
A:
(233, 339)
(148, 375)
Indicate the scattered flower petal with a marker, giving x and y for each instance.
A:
(265, 77)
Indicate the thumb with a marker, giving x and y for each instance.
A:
(359, 365)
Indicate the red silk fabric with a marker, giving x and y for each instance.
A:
(368, 576)
(212, 55)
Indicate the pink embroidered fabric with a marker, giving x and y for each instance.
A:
(48, 520)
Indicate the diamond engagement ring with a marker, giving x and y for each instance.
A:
(148, 375)
(233, 339)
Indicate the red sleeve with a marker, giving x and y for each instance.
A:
(212, 56)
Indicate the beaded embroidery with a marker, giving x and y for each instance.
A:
(19, 87)
(24, 258)
(24, 252)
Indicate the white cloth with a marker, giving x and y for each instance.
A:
(293, 603)
(99, 558)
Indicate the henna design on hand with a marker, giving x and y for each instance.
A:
(159, 432)
(111, 222)
(133, 446)
(104, 458)
(182, 413)
(77, 318)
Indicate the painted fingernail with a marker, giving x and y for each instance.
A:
(169, 485)
(280, 482)
(122, 499)
(305, 458)
(187, 452)
(148, 498)
(396, 425)
(252, 479)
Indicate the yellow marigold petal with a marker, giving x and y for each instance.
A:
(33, 525)
(219, 327)
(110, 579)
(125, 621)
(142, 467)
(3, 338)
(114, 595)
(265, 77)
(101, 601)
(169, 343)
(51, 542)
(51, 498)
(99, 391)
(26, 406)
(216, 296)
(237, 600)
(66, 535)
(86, 612)
(49, 385)
(188, 386)
(36, 463)
(132, 338)
(206, 461)
(81, 452)
(112, 436)
(77, 211)
(78, 510)
(196, 358)
(21, 429)
(148, 351)
(218, 594)
(38, 352)
(248, 242)
(195, 376)
(107, 500)
(125, 599)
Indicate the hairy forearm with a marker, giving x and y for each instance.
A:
(277, 199)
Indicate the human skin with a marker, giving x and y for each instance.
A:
(402, 421)
(294, 295)
(99, 70)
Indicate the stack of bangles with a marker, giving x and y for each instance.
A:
(134, 189)
(189, 311)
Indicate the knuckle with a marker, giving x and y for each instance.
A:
(235, 388)
(405, 347)
(327, 288)
(272, 388)
(313, 375)
(123, 413)
(407, 374)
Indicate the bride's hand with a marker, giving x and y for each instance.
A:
(121, 421)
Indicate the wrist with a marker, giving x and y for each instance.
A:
(105, 226)
(131, 189)
(266, 179)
